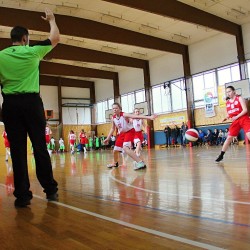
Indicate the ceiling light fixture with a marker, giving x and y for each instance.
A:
(108, 68)
(180, 37)
(108, 48)
(111, 17)
(149, 27)
(207, 3)
(69, 5)
(139, 54)
(238, 13)
(201, 27)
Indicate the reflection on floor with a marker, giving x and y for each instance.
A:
(183, 200)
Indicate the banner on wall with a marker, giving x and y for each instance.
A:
(209, 105)
(172, 119)
(221, 96)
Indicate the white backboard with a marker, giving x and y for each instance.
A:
(242, 88)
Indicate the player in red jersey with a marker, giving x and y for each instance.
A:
(7, 145)
(83, 140)
(120, 120)
(237, 113)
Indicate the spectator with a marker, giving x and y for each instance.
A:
(201, 139)
(167, 131)
(209, 137)
(215, 136)
(183, 130)
(220, 137)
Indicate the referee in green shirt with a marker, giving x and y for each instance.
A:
(23, 111)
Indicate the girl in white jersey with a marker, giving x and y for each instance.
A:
(120, 120)
(138, 124)
(72, 140)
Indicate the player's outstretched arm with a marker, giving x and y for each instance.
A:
(133, 116)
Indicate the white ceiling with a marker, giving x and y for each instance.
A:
(132, 19)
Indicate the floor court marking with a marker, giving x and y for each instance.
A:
(133, 226)
(187, 196)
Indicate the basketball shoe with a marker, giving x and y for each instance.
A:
(219, 158)
(139, 165)
(111, 165)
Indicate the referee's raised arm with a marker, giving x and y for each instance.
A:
(54, 35)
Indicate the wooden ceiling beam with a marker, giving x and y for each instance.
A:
(66, 82)
(49, 68)
(184, 12)
(73, 53)
(79, 27)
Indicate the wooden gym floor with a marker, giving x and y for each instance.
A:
(183, 200)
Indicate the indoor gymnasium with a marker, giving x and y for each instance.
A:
(125, 124)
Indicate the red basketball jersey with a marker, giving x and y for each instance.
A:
(234, 107)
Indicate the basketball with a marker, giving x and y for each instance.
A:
(192, 135)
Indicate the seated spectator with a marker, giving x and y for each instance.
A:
(215, 136)
(225, 135)
(201, 139)
(208, 137)
(220, 137)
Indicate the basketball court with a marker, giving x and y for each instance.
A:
(183, 200)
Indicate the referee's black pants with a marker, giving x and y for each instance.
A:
(23, 115)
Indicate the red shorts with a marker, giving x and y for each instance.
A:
(72, 142)
(6, 143)
(47, 138)
(124, 139)
(138, 137)
(237, 125)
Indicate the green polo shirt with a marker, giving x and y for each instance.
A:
(19, 67)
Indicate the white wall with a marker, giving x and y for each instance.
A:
(246, 39)
(75, 92)
(103, 90)
(50, 100)
(164, 68)
(131, 80)
(214, 52)
(49, 96)
(76, 115)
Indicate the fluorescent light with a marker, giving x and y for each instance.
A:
(180, 37)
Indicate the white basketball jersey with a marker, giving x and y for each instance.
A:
(122, 123)
(137, 124)
(47, 131)
(72, 136)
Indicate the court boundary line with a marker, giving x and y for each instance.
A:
(133, 226)
(137, 227)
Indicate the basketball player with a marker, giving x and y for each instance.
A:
(48, 132)
(7, 145)
(72, 140)
(237, 113)
(61, 145)
(83, 140)
(138, 124)
(23, 111)
(120, 120)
